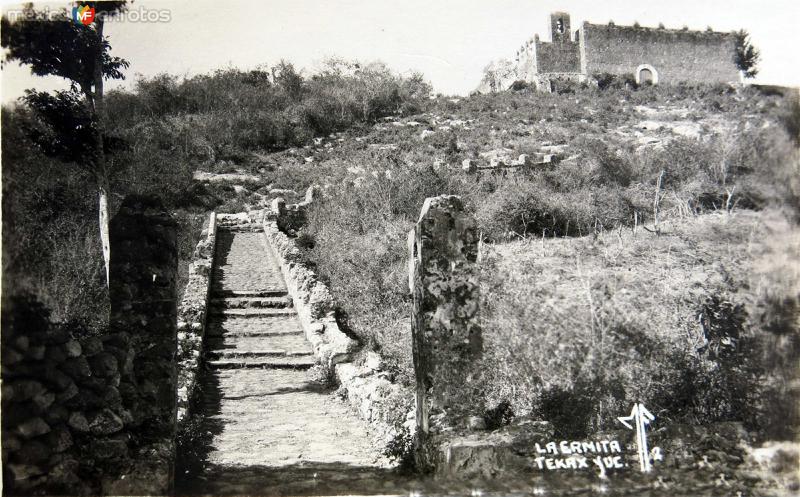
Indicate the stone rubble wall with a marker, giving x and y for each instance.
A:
(292, 217)
(377, 399)
(63, 413)
(312, 300)
(192, 313)
(368, 387)
(95, 415)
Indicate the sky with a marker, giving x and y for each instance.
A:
(449, 41)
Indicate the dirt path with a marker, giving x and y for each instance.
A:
(268, 427)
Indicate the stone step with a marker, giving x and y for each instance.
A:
(261, 326)
(225, 354)
(302, 362)
(242, 228)
(252, 333)
(251, 302)
(219, 292)
(251, 313)
(228, 342)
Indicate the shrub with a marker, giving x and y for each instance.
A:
(520, 85)
(791, 120)
(498, 416)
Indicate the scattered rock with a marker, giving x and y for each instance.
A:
(476, 423)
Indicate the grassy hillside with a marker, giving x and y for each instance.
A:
(721, 155)
(696, 316)
(699, 323)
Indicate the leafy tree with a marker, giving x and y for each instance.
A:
(498, 75)
(746, 56)
(286, 76)
(71, 121)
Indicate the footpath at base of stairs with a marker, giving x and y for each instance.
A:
(268, 426)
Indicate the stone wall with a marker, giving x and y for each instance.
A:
(558, 57)
(96, 414)
(143, 307)
(64, 420)
(291, 217)
(367, 386)
(312, 299)
(677, 55)
(192, 313)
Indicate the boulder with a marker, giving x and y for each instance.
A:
(25, 471)
(44, 400)
(76, 368)
(33, 452)
(26, 389)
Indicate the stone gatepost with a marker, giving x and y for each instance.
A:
(143, 313)
(445, 329)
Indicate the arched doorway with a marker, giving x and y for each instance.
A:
(646, 73)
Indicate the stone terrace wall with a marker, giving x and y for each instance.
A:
(677, 55)
(192, 313)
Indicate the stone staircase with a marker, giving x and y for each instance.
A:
(252, 323)
(265, 412)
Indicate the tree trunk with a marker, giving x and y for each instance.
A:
(100, 157)
(104, 239)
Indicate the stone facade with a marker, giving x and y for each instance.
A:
(648, 54)
(670, 55)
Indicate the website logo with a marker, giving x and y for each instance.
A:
(83, 15)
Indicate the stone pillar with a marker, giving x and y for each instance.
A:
(445, 329)
(143, 312)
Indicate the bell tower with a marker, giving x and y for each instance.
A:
(560, 27)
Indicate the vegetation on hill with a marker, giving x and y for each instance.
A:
(163, 131)
(699, 150)
(699, 324)
(721, 164)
